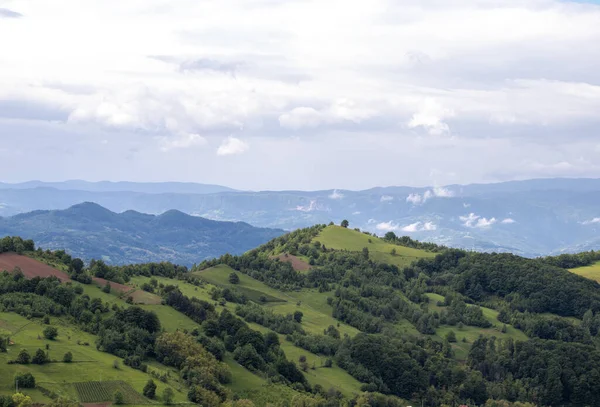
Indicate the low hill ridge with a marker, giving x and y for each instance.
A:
(88, 230)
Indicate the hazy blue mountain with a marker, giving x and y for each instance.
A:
(533, 217)
(108, 186)
(89, 231)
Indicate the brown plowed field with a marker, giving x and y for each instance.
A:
(139, 296)
(113, 286)
(30, 267)
(297, 264)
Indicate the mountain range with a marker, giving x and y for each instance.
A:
(530, 218)
(90, 231)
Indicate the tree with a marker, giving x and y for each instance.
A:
(328, 362)
(106, 288)
(21, 400)
(50, 333)
(393, 252)
(365, 253)
(168, 396)
(25, 380)
(3, 344)
(77, 265)
(68, 358)
(23, 358)
(234, 278)
(150, 389)
(345, 223)
(40, 357)
(118, 398)
(451, 336)
(298, 316)
(115, 364)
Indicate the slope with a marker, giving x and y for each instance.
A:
(339, 238)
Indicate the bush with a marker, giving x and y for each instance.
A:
(25, 380)
(234, 278)
(68, 358)
(40, 357)
(50, 333)
(168, 396)
(118, 398)
(106, 288)
(328, 363)
(23, 358)
(150, 389)
(451, 336)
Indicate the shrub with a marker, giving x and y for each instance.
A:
(150, 389)
(451, 336)
(118, 398)
(23, 358)
(50, 333)
(168, 396)
(40, 357)
(234, 278)
(25, 380)
(68, 358)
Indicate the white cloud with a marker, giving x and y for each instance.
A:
(356, 213)
(386, 226)
(336, 195)
(415, 199)
(475, 221)
(320, 70)
(466, 205)
(386, 198)
(184, 141)
(436, 192)
(311, 207)
(431, 116)
(232, 146)
(508, 221)
(413, 227)
(591, 221)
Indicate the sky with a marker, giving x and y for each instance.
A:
(269, 94)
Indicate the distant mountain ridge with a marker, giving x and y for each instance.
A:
(89, 231)
(110, 186)
(530, 218)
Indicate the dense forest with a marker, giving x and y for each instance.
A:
(559, 363)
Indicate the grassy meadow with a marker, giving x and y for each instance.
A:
(339, 238)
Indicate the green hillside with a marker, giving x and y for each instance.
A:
(339, 238)
(356, 328)
(591, 272)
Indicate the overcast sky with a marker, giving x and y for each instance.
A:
(270, 94)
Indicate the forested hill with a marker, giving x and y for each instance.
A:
(90, 231)
(325, 316)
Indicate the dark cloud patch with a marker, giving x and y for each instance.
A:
(6, 13)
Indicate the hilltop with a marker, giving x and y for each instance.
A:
(90, 231)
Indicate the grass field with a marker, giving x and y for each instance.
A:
(317, 313)
(339, 238)
(88, 363)
(591, 272)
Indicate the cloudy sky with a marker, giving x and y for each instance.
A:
(274, 94)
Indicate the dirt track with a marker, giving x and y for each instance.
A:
(30, 267)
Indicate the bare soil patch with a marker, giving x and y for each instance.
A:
(121, 288)
(297, 263)
(30, 267)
